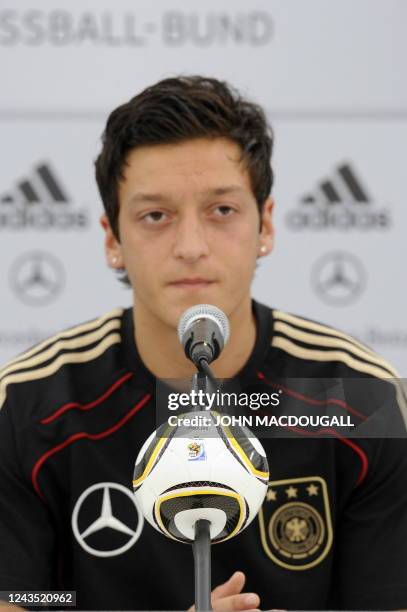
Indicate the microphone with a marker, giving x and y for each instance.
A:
(203, 331)
(197, 480)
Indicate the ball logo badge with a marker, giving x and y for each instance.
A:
(295, 523)
(196, 450)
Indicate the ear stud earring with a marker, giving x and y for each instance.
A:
(263, 249)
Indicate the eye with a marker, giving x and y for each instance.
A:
(154, 217)
(223, 210)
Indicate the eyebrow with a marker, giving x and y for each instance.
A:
(141, 197)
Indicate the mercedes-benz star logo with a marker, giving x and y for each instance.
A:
(37, 278)
(338, 278)
(106, 518)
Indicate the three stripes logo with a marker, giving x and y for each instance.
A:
(341, 202)
(40, 202)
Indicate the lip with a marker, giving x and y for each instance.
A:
(192, 282)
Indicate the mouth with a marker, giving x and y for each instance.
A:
(192, 283)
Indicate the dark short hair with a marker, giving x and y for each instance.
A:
(178, 109)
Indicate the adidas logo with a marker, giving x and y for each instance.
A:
(40, 202)
(341, 202)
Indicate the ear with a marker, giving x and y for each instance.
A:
(113, 249)
(266, 236)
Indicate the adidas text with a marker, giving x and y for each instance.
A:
(343, 219)
(43, 218)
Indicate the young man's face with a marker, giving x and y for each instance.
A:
(189, 228)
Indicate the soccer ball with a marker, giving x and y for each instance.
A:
(214, 472)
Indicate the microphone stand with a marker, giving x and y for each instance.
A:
(201, 548)
(203, 380)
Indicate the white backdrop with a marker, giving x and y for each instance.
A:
(332, 78)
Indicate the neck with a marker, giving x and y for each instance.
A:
(162, 353)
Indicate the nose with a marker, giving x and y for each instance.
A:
(190, 242)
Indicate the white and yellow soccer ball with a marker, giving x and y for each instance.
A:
(214, 472)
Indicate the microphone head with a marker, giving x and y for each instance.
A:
(203, 311)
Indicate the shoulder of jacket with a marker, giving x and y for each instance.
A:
(79, 344)
(313, 341)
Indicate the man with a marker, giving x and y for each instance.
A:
(185, 179)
